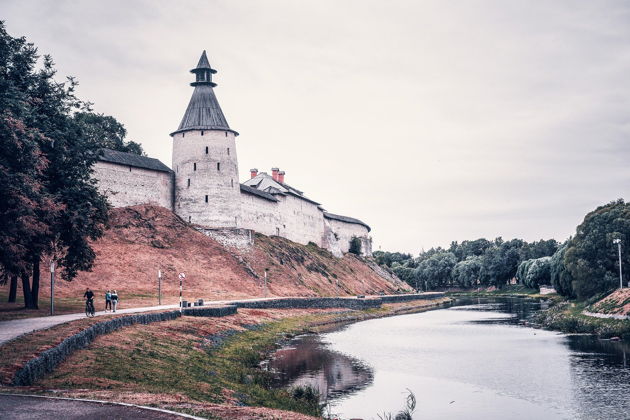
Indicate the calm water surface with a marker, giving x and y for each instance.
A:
(475, 360)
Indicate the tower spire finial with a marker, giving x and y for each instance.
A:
(203, 72)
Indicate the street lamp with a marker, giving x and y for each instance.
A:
(618, 242)
(52, 287)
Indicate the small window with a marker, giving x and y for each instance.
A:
(194, 166)
(189, 219)
(232, 183)
(202, 132)
(218, 166)
(130, 169)
(206, 150)
(183, 134)
(177, 168)
(189, 182)
(226, 134)
(277, 231)
(206, 198)
(228, 151)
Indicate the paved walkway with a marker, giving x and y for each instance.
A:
(19, 407)
(15, 328)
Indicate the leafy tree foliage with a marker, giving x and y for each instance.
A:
(534, 272)
(388, 258)
(49, 204)
(467, 264)
(105, 132)
(467, 273)
(591, 257)
(561, 278)
(435, 271)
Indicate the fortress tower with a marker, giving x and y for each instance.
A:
(207, 190)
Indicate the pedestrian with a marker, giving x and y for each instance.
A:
(108, 300)
(114, 298)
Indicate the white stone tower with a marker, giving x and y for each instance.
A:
(207, 191)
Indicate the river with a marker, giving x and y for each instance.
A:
(473, 360)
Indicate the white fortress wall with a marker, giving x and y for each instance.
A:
(344, 232)
(129, 186)
(207, 187)
(259, 214)
(302, 220)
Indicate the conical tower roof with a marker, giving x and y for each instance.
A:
(203, 112)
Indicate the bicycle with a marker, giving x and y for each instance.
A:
(89, 308)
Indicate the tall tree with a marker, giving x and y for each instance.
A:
(591, 257)
(57, 204)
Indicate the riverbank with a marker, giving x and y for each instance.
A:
(515, 290)
(569, 317)
(563, 315)
(206, 367)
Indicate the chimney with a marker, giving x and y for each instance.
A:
(274, 173)
(253, 172)
(281, 177)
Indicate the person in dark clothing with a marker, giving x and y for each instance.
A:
(88, 295)
(89, 302)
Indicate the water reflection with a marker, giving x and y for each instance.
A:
(478, 359)
(307, 361)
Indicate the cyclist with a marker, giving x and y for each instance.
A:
(89, 302)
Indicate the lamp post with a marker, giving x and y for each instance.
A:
(618, 242)
(182, 276)
(159, 287)
(52, 287)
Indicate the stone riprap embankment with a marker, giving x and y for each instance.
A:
(332, 302)
(49, 359)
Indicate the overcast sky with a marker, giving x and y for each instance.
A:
(431, 121)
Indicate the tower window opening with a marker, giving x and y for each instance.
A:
(189, 219)
(232, 182)
(226, 134)
(206, 150)
(194, 166)
(218, 166)
(183, 134)
(206, 198)
(130, 169)
(228, 151)
(189, 182)
(202, 132)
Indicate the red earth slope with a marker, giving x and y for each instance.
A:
(143, 239)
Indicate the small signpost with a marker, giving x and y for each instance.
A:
(52, 287)
(182, 276)
(159, 287)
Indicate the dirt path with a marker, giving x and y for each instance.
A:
(18, 407)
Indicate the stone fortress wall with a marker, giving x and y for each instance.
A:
(126, 185)
(203, 187)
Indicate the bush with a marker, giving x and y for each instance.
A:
(355, 246)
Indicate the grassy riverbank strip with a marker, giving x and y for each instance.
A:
(200, 366)
(515, 290)
(568, 317)
(563, 315)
